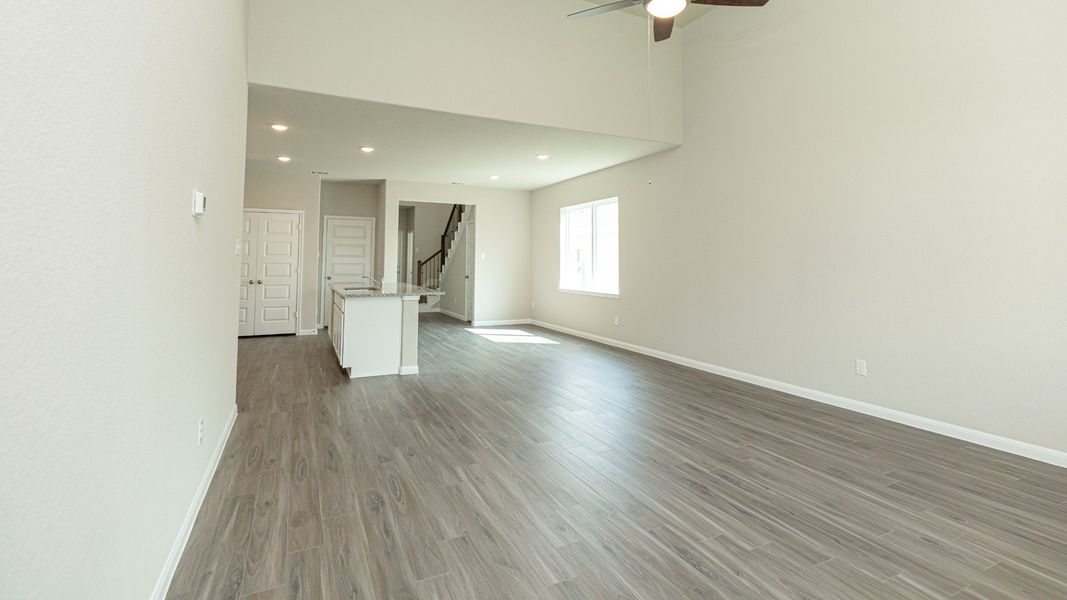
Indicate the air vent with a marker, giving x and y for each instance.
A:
(320, 172)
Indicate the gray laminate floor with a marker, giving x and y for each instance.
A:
(572, 470)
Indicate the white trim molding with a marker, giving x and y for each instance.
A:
(504, 322)
(456, 316)
(409, 370)
(163, 583)
(981, 438)
(308, 332)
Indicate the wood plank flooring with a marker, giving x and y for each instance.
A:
(576, 471)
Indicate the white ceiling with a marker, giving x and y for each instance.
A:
(690, 14)
(326, 133)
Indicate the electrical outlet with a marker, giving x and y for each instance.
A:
(533, 305)
(616, 320)
(861, 367)
(200, 432)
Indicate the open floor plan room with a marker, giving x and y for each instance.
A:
(553, 299)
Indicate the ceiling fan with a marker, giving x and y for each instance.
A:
(662, 11)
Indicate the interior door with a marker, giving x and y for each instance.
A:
(277, 273)
(348, 254)
(247, 280)
(468, 311)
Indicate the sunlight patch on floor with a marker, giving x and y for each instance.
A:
(510, 336)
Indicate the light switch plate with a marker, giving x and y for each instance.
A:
(199, 203)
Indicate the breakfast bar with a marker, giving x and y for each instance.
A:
(374, 327)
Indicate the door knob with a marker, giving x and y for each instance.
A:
(251, 282)
(260, 282)
(328, 278)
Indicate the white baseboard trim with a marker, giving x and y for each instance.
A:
(428, 310)
(163, 583)
(504, 322)
(456, 316)
(308, 332)
(981, 438)
(409, 370)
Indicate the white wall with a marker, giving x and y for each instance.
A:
(293, 191)
(517, 61)
(856, 183)
(119, 307)
(502, 243)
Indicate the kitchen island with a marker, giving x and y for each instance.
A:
(374, 327)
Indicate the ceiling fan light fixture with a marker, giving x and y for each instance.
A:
(664, 9)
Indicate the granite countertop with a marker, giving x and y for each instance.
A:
(373, 290)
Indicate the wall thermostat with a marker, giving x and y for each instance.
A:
(199, 203)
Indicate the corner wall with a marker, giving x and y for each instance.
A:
(856, 184)
(119, 307)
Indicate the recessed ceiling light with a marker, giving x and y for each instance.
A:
(279, 127)
(284, 158)
(367, 149)
(494, 177)
(542, 157)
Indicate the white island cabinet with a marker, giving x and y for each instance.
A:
(375, 328)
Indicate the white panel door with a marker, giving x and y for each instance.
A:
(247, 280)
(348, 254)
(472, 262)
(277, 273)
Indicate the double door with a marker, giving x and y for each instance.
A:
(270, 273)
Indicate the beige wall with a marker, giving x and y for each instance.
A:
(385, 234)
(856, 183)
(120, 328)
(430, 221)
(349, 199)
(293, 191)
(502, 243)
(516, 61)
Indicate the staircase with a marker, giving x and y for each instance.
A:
(430, 272)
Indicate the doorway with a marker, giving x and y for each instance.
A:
(269, 280)
(347, 253)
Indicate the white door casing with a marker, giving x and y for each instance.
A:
(247, 281)
(347, 254)
(468, 309)
(270, 272)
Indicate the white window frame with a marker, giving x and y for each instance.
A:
(565, 238)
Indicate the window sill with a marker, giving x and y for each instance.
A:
(585, 293)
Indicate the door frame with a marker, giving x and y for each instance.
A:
(326, 297)
(470, 281)
(299, 256)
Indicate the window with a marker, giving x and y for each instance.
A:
(589, 247)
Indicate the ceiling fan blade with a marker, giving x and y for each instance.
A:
(596, 10)
(730, 2)
(662, 28)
